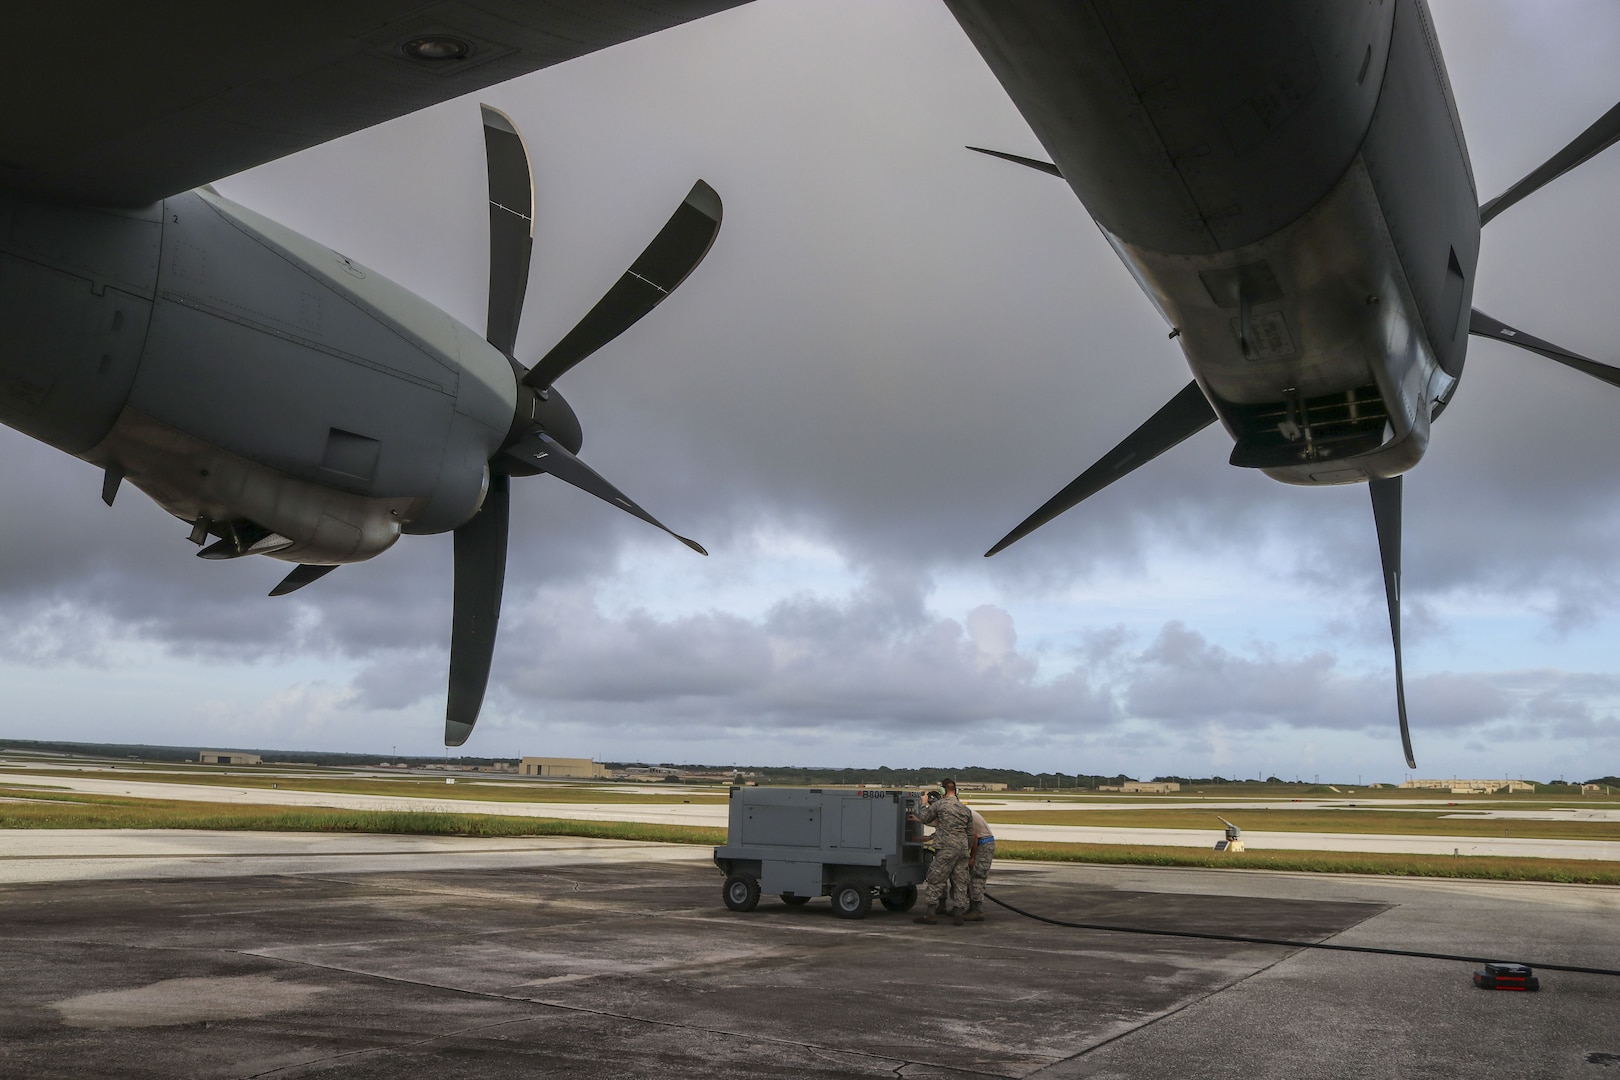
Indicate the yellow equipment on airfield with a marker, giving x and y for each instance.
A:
(1233, 841)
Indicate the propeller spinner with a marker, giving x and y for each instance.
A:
(545, 435)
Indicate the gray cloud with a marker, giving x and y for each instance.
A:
(877, 658)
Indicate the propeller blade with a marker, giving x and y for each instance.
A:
(511, 227)
(301, 575)
(1184, 416)
(541, 451)
(674, 253)
(480, 547)
(1386, 501)
(1042, 166)
(1585, 146)
(1484, 326)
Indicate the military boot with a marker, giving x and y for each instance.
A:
(929, 919)
(975, 912)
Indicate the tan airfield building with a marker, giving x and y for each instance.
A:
(1470, 787)
(562, 768)
(228, 757)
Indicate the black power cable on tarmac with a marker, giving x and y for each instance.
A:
(1246, 939)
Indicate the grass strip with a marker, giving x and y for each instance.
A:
(1437, 822)
(466, 788)
(113, 812)
(1485, 867)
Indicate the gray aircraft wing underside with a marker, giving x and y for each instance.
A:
(125, 104)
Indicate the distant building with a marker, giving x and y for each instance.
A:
(1470, 787)
(563, 768)
(1159, 787)
(975, 785)
(228, 757)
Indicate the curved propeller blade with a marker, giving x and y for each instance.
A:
(1386, 501)
(548, 455)
(1182, 417)
(301, 575)
(1482, 325)
(1034, 163)
(1585, 146)
(674, 253)
(511, 227)
(480, 576)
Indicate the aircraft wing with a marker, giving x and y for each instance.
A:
(120, 103)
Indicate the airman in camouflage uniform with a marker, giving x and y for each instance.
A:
(983, 854)
(953, 835)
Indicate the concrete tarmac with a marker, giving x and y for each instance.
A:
(715, 816)
(618, 960)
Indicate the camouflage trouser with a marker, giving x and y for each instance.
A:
(948, 876)
(983, 856)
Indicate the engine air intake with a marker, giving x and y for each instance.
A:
(1296, 429)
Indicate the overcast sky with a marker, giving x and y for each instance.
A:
(895, 351)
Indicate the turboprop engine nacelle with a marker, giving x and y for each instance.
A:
(263, 387)
(291, 402)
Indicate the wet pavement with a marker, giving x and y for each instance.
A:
(628, 966)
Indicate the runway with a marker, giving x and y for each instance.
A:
(715, 816)
(41, 855)
(655, 813)
(608, 960)
(1256, 840)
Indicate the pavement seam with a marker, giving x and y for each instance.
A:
(1152, 1020)
(588, 1011)
(1199, 1000)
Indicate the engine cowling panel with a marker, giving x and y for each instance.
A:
(246, 377)
(76, 289)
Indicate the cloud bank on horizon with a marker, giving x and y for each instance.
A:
(895, 351)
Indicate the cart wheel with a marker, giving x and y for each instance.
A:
(851, 901)
(741, 892)
(794, 901)
(900, 899)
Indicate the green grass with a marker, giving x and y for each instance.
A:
(465, 789)
(1491, 868)
(55, 811)
(1392, 822)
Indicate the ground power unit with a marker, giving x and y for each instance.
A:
(799, 843)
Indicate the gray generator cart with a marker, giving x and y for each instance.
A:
(805, 842)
